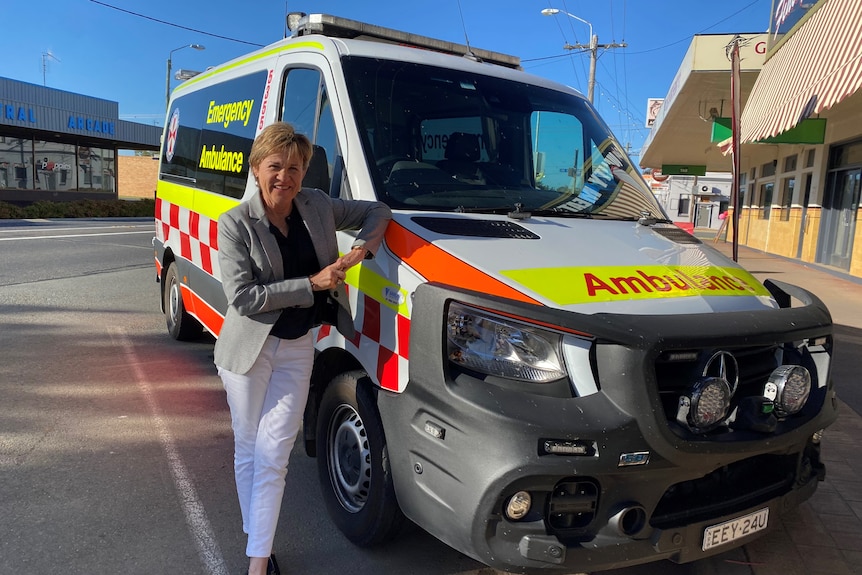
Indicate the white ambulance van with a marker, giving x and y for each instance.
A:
(546, 373)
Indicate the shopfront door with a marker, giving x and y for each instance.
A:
(838, 225)
(703, 216)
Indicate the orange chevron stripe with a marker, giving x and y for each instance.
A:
(437, 265)
(201, 310)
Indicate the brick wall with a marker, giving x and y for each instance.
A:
(137, 176)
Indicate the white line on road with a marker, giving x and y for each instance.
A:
(151, 232)
(196, 517)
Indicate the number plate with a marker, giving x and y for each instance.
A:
(735, 528)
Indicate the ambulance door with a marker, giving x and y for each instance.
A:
(306, 103)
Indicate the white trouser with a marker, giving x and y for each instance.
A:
(266, 407)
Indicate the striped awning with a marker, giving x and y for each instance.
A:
(817, 67)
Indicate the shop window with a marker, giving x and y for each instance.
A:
(55, 166)
(846, 155)
(768, 169)
(809, 158)
(765, 200)
(684, 205)
(96, 169)
(790, 163)
(16, 163)
(787, 197)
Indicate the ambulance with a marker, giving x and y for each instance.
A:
(547, 374)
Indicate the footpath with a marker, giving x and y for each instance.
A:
(824, 535)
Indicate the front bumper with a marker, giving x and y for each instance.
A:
(590, 512)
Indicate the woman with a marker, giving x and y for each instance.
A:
(279, 264)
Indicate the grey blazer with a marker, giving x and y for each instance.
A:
(252, 273)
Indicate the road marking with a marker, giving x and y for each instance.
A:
(196, 516)
(75, 236)
(79, 228)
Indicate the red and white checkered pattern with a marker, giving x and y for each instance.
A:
(192, 236)
(382, 341)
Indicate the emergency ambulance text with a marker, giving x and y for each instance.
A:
(230, 112)
(221, 160)
(678, 282)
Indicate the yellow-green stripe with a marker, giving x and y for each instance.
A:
(374, 286)
(243, 61)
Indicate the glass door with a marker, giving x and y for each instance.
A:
(838, 227)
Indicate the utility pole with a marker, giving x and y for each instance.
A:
(593, 47)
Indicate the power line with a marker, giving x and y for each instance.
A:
(743, 9)
(144, 16)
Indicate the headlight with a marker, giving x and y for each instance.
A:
(502, 346)
(792, 386)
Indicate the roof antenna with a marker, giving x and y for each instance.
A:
(45, 57)
(469, 53)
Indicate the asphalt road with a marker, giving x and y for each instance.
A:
(115, 441)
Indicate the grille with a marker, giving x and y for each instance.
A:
(476, 228)
(677, 235)
(729, 489)
(675, 377)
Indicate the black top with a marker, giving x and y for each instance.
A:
(300, 261)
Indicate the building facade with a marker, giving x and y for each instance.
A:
(57, 145)
(800, 131)
(693, 201)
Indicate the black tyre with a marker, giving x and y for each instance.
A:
(181, 325)
(353, 464)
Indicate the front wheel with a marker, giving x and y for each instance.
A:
(353, 464)
(181, 325)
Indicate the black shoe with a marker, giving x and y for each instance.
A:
(272, 566)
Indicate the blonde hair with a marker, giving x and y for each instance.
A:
(280, 137)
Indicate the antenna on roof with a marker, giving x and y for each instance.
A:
(45, 56)
(469, 53)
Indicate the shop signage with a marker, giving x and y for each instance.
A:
(90, 125)
(808, 131)
(19, 113)
(678, 170)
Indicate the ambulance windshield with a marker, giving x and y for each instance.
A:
(442, 139)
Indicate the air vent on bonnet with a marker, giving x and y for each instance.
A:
(475, 228)
(677, 235)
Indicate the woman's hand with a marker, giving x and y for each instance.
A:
(352, 257)
(327, 278)
(333, 275)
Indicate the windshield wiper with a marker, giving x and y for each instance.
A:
(558, 213)
(494, 210)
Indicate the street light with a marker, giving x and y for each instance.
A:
(555, 11)
(593, 47)
(168, 78)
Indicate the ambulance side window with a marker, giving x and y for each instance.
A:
(210, 134)
(307, 108)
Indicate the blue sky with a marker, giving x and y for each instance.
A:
(98, 48)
